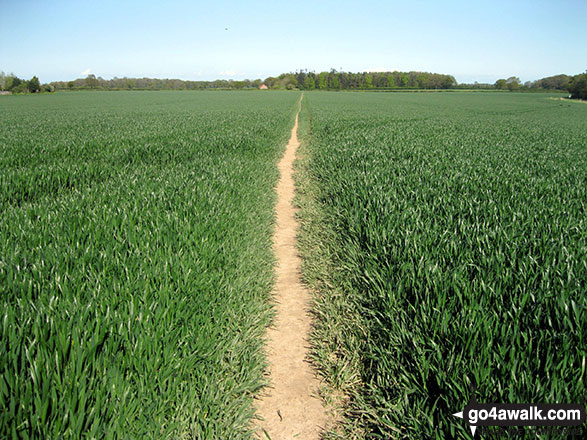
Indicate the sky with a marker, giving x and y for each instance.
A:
(205, 40)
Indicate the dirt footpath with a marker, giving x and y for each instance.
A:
(290, 408)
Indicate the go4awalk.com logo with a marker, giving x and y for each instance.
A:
(521, 414)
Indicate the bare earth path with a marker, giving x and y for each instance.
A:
(289, 408)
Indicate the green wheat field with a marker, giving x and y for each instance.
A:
(444, 238)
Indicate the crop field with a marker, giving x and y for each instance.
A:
(135, 261)
(445, 238)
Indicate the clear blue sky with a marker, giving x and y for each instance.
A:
(473, 40)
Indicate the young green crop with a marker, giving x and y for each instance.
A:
(446, 236)
(135, 261)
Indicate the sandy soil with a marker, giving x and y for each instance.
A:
(290, 407)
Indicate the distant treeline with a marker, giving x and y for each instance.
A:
(304, 80)
(334, 80)
(576, 85)
(91, 82)
(12, 83)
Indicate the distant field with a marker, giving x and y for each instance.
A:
(446, 238)
(135, 261)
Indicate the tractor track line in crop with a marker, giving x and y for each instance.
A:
(289, 407)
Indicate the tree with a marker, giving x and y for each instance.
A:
(11, 82)
(334, 82)
(301, 77)
(270, 81)
(448, 82)
(578, 86)
(33, 85)
(309, 83)
(22, 87)
(424, 80)
(500, 84)
(323, 80)
(287, 81)
(390, 81)
(556, 82)
(513, 83)
(91, 81)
